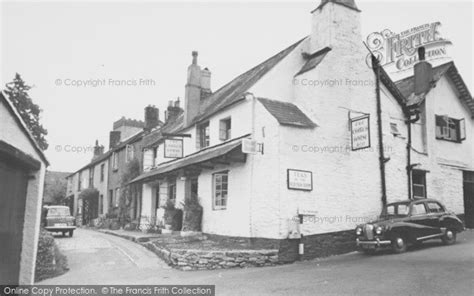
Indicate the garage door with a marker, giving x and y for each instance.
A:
(13, 187)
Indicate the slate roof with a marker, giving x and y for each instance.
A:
(193, 159)
(138, 136)
(313, 60)
(407, 85)
(156, 136)
(287, 113)
(347, 3)
(233, 91)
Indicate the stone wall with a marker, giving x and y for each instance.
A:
(200, 260)
(281, 251)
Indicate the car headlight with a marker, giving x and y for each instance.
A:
(378, 230)
(358, 231)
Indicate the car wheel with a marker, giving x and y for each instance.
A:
(71, 232)
(399, 244)
(449, 237)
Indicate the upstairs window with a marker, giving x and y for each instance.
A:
(418, 179)
(129, 152)
(79, 182)
(115, 161)
(450, 129)
(91, 177)
(394, 129)
(224, 129)
(102, 172)
(202, 136)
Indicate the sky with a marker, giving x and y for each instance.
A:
(93, 62)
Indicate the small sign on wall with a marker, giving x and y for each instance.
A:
(173, 148)
(300, 180)
(360, 132)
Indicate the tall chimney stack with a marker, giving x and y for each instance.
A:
(98, 150)
(335, 24)
(192, 95)
(423, 73)
(114, 139)
(151, 117)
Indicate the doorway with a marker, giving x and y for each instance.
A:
(468, 189)
(13, 188)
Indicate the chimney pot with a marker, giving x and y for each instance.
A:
(151, 117)
(423, 73)
(421, 53)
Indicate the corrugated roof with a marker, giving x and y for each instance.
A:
(287, 113)
(233, 91)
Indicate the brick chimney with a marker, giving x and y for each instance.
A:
(98, 150)
(151, 117)
(128, 127)
(173, 110)
(423, 73)
(335, 23)
(114, 139)
(192, 95)
(205, 83)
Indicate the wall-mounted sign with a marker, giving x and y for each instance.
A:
(360, 132)
(250, 146)
(300, 180)
(398, 51)
(173, 148)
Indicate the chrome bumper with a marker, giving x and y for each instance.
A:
(377, 242)
(59, 228)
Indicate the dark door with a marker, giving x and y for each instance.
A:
(13, 187)
(468, 180)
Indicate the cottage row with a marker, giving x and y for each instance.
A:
(272, 145)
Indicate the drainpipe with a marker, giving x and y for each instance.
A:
(382, 159)
(409, 122)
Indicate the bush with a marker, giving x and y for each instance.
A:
(173, 216)
(192, 215)
(49, 260)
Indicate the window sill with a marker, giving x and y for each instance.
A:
(219, 208)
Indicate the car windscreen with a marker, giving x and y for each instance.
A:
(396, 209)
(58, 212)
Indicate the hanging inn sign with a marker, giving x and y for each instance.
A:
(360, 132)
(396, 52)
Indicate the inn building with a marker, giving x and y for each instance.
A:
(238, 149)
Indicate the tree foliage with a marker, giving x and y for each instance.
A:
(17, 92)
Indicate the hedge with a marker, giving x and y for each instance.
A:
(50, 262)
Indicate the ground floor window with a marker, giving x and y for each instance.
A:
(419, 183)
(220, 190)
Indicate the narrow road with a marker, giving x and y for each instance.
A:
(432, 269)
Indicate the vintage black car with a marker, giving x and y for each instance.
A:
(408, 222)
(58, 219)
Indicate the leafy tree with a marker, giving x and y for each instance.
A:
(17, 92)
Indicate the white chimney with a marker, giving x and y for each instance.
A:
(335, 23)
